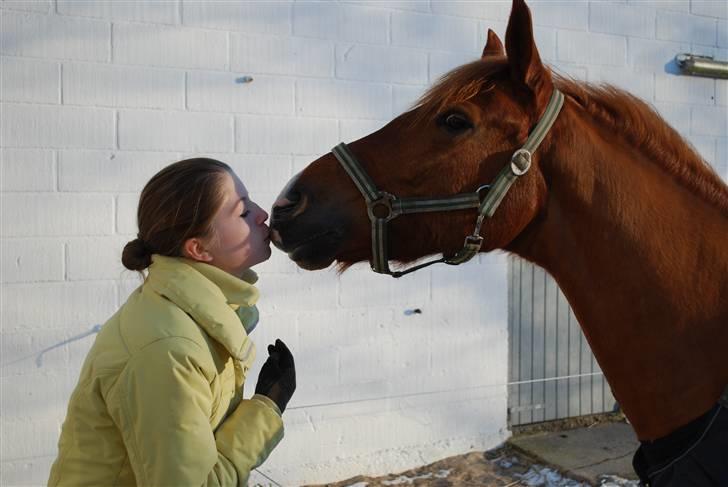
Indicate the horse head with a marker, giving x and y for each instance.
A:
(456, 139)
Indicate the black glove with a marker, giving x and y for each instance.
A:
(277, 378)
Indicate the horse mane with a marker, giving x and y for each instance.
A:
(619, 111)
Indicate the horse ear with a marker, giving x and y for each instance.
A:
(523, 57)
(494, 46)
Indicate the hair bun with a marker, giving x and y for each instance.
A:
(136, 255)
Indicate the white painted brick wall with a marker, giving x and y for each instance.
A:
(154, 12)
(349, 23)
(173, 131)
(26, 125)
(53, 36)
(122, 86)
(29, 80)
(225, 92)
(157, 45)
(97, 96)
(27, 170)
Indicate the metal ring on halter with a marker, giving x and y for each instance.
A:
(384, 200)
(521, 162)
(477, 191)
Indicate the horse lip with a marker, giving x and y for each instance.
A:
(315, 236)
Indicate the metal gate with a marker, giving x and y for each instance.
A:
(552, 371)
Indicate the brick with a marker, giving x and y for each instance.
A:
(675, 5)
(126, 213)
(678, 116)
(382, 289)
(27, 352)
(29, 471)
(176, 131)
(27, 170)
(546, 42)
(122, 86)
(675, 26)
(22, 350)
(442, 33)
(32, 260)
(269, 135)
(37, 436)
(472, 10)
(96, 258)
(29, 80)
(30, 393)
(709, 8)
(155, 12)
(55, 305)
(638, 83)
(260, 173)
(53, 214)
(653, 54)
(224, 92)
(109, 171)
(705, 146)
(299, 292)
(254, 17)
(270, 55)
(339, 22)
(40, 6)
(414, 5)
(562, 14)
(442, 63)
(181, 47)
(684, 89)
(63, 37)
(381, 64)
(56, 126)
(322, 98)
(351, 130)
(721, 92)
(709, 121)
(588, 48)
(404, 98)
(618, 18)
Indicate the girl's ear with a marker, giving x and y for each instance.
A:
(195, 249)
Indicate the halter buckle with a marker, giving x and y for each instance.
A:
(521, 162)
(384, 200)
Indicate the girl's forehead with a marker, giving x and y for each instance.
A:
(234, 187)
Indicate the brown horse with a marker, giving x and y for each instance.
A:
(616, 206)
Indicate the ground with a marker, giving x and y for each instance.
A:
(579, 452)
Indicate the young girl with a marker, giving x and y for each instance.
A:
(160, 397)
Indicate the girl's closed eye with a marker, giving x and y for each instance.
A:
(245, 213)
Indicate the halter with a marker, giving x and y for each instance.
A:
(383, 207)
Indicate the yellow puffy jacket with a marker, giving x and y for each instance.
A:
(160, 397)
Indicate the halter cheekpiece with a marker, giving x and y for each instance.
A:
(383, 206)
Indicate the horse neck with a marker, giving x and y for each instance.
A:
(643, 262)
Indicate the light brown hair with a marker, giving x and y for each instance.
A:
(178, 203)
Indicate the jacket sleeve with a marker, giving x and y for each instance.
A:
(164, 415)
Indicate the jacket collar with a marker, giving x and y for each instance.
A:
(211, 296)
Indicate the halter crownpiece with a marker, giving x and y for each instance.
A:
(378, 202)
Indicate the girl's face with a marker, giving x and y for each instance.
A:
(241, 239)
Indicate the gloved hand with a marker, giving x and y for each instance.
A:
(277, 378)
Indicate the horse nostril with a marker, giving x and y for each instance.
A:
(288, 206)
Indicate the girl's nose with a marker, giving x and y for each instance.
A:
(262, 216)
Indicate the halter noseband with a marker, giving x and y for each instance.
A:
(379, 202)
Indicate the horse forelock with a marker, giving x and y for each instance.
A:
(624, 114)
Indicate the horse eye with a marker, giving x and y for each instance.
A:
(455, 123)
